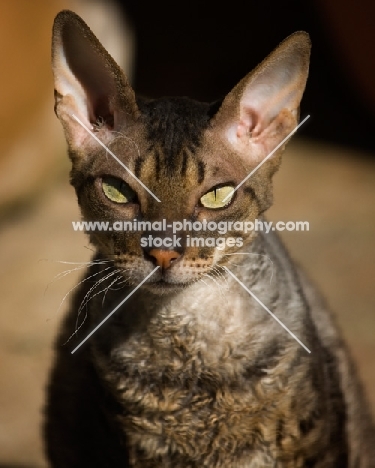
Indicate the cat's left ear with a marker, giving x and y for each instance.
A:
(263, 108)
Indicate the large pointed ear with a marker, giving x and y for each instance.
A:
(88, 83)
(263, 108)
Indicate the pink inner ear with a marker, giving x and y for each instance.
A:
(248, 123)
(242, 129)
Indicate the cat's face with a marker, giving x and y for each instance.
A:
(174, 164)
(174, 150)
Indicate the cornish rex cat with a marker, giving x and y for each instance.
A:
(194, 369)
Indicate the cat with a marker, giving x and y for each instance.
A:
(193, 368)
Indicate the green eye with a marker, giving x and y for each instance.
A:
(117, 190)
(215, 198)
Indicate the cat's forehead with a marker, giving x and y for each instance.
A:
(175, 124)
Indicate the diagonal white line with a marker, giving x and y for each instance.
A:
(114, 156)
(266, 309)
(266, 158)
(114, 310)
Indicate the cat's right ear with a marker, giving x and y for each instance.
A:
(263, 108)
(89, 85)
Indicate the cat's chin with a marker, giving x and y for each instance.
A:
(163, 287)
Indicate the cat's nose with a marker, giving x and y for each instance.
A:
(163, 258)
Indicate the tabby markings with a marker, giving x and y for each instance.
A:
(115, 157)
(225, 199)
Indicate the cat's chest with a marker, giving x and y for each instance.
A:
(201, 377)
(196, 426)
(180, 396)
(190, 413)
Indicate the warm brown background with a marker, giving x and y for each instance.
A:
(329, 182)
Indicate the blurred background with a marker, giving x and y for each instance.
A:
(200, 50)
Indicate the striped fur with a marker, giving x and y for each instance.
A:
(192, 372)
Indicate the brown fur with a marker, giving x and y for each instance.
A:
(191, 371)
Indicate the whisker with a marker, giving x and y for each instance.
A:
(88, 297)
(109, 287)
(220, 272)
(200, 279)
(221, 292)
(67, 272)
(91, 262)
(78, 284)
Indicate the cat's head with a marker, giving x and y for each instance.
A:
(174, 164)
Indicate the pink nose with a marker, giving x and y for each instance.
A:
(164, 258)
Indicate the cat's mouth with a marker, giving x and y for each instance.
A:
(162, 286)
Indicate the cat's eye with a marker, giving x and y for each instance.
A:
(218, 197)
(117, 190)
